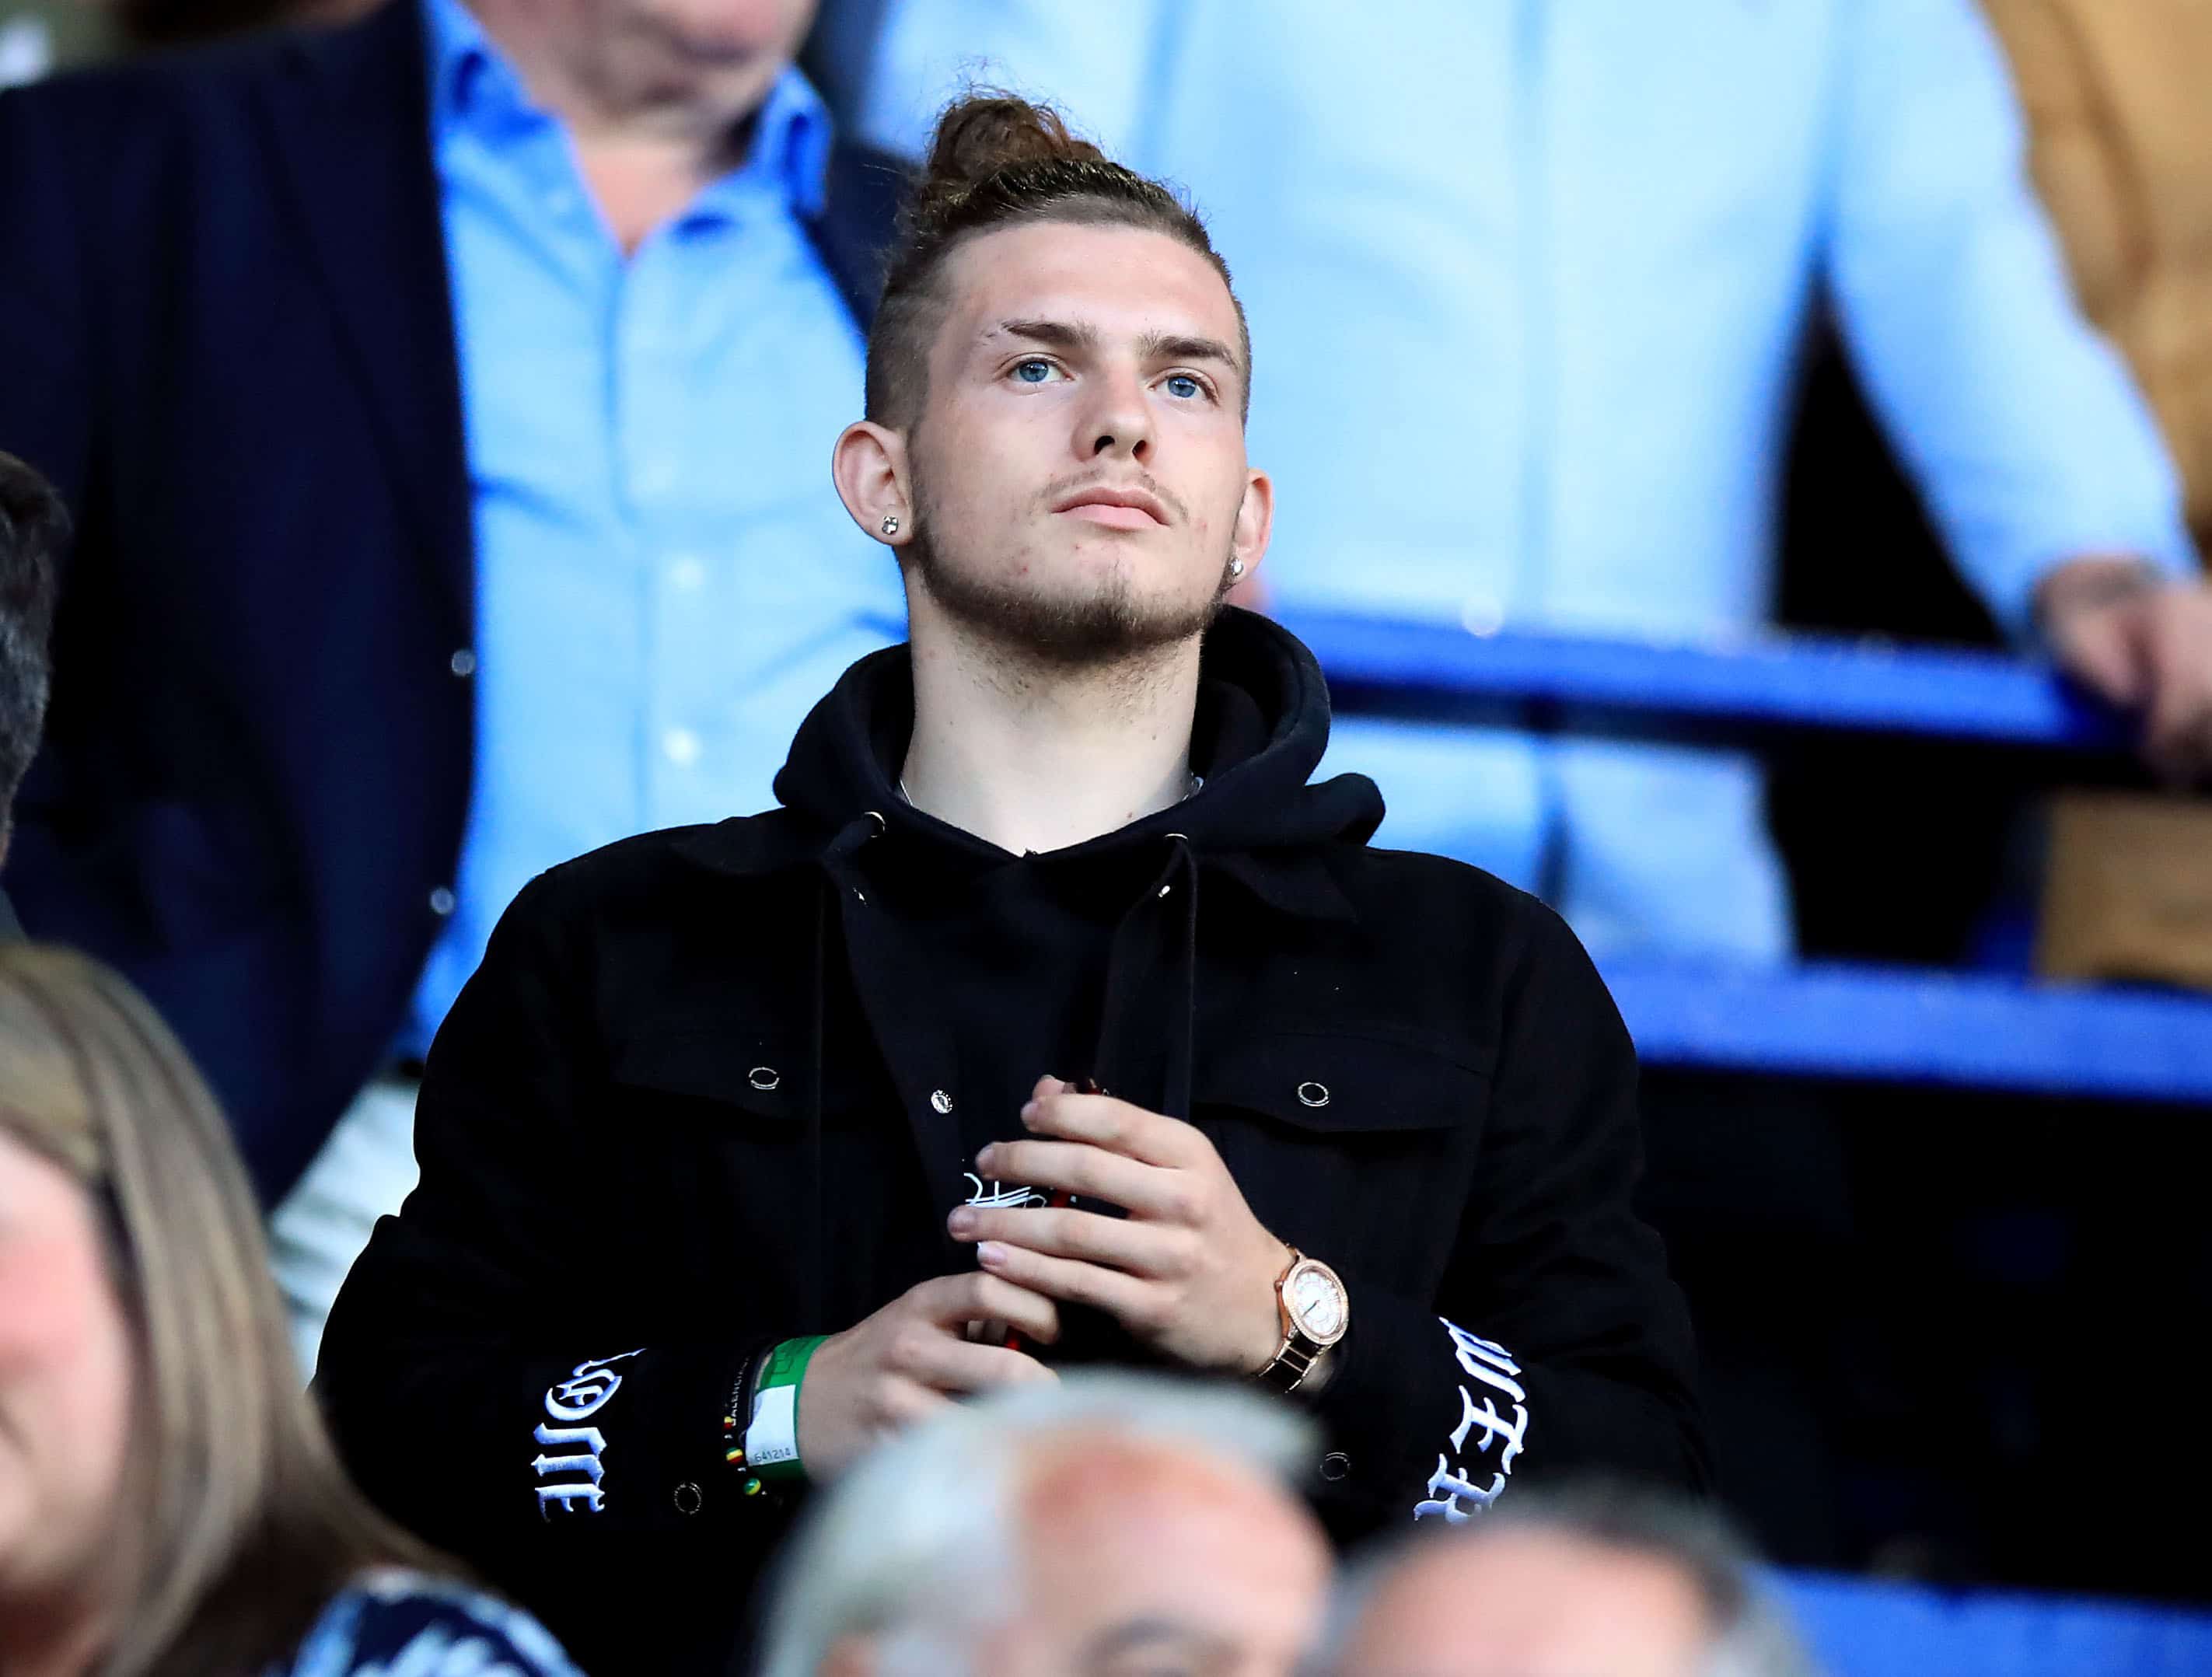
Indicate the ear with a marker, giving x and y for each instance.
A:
(1256, 522)
(869, 465)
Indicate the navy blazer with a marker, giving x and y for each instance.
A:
(226, 335)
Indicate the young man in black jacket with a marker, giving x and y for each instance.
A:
(1053, 1018)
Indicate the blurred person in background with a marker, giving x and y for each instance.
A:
(740, 1132)
(438, 399)
(34, 525)
(2119, 135)
(1107, 1524)
(169, 1506)
(1596, 1581)
(1547, 316)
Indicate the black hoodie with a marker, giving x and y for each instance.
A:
(1081, 963)
(719, 1086)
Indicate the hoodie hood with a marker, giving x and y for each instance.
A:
(888, 870)
(1261, 728)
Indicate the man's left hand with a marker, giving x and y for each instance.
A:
(1189, 1271)
(2144, 643)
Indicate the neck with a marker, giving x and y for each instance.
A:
(644, 158)
(1033, 755)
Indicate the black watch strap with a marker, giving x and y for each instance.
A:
(1292, 1364)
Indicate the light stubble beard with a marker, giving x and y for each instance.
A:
(1110, 626)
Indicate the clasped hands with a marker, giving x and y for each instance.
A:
(1189, 1271)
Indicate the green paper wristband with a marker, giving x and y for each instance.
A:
(772, 1434)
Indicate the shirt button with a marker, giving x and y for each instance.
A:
(463, 663)
(682, 746)
(686, 571)
(442, 901)
(1334, 1466)
(1482, 614)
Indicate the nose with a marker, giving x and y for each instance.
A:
(1117, 422)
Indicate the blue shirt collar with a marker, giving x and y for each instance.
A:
(473, 85)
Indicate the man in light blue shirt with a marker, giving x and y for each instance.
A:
(651, 353)
(666, 583)
(1548, 266)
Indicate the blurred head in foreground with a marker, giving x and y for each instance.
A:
(1602, 1582)
(33, 528)
(168, 1502)
(1107, 1526)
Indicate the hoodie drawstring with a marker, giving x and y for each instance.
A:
(813, 1281)
(1131, 968)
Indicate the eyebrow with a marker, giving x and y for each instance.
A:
(1153, 346)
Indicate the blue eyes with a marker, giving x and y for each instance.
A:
(1036, 371)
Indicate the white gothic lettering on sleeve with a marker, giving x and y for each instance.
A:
(1453, 1490)
(567, 1460)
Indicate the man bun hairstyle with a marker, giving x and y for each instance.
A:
(999, 161)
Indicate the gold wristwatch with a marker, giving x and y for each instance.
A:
(1316, 1311)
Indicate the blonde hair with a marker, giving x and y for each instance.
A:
(241, 1523)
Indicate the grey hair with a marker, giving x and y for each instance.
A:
(1750, 1632)
(916, 1545)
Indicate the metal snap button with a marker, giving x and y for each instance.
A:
(689, 1499)
(1312, 1094)
(1334, 1466)
(939, 1101)
(763, 1078)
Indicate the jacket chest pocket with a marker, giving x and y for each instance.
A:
(721, 1121)
(711, 1068)
(1357, 1147)
(746, 1180)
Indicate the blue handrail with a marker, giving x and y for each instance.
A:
(1910, 1025)
(1749, 694)
(1819, 1020)
(1861, 1627)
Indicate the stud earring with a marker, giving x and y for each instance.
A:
(890, 524)
(1235, 569)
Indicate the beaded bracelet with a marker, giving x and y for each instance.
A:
(734, 1428)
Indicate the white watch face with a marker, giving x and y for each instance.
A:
(1316, 1303)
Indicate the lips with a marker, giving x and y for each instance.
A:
(1115, 508)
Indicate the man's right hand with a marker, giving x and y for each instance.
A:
(910, 1360)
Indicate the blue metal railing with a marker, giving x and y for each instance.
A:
(1863, 1627)
(1831, 1019)
(1751, 695)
